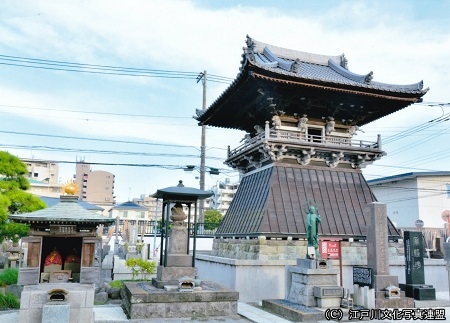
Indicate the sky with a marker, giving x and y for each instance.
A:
(114, 83)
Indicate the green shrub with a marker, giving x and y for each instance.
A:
(138, 265)
(9, 301)
(9, 277)
(116, 284)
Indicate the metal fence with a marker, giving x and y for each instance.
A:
(207, 229)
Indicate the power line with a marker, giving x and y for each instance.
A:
(106, 152)
(103, 69)
(93, 112)
(104, 140)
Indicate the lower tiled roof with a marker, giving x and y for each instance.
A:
(271, 202)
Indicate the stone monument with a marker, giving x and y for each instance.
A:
(385, 292)
(414, 268)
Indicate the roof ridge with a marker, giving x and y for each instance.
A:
(291, 54)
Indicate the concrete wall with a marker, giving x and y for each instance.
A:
(258, 279)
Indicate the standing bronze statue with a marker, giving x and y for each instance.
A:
(312, 230)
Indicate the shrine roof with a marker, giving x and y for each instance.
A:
(50, 201)
(67, 210)
(272, 72)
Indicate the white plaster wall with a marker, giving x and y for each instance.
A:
(401, 201)
(423, 197)
(257, 280)
(433, 199)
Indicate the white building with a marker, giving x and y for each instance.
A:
(415, 197)
(223, 195)
(129, 211)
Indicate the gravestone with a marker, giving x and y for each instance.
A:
(378, 262)
(414, 268)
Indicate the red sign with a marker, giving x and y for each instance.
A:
(330, 249)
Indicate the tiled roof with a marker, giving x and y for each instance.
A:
(271, 202)
(128, 206)
(332, 69)
(406, 176)
(67, 210)
(50, 201)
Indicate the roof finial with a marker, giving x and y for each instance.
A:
(180, 183)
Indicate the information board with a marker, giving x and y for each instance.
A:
(363, 276)
(330, 249)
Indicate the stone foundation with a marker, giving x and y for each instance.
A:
(79, 302)
(145, 301)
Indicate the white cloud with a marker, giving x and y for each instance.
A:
(183, 36)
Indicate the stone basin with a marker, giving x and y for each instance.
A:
(142, 300)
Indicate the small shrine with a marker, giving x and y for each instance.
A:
(61, 243)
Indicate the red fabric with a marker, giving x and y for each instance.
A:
(72, 258)
(54, 258)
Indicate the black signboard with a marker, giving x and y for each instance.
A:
(414, 250)
(363, 276)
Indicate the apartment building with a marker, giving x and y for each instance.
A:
(224, 192)
(96, 187)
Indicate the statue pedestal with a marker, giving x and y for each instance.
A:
(314, 284)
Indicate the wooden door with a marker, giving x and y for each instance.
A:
(88, 273)
(29, 273)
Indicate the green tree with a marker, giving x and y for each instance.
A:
(212, 219)
(13, 196)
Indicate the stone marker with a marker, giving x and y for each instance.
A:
(414, 268)
(377, 240)
(378, 261)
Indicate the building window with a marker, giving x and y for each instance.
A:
(36, 175)
(124, 214)
(448, 190)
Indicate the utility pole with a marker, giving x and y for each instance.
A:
(201, 204)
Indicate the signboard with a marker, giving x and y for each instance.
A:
(330, 249)
(363, 276)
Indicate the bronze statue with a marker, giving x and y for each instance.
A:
(312, 229)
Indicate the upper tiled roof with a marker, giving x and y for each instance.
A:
(296, 83)
(332, 69)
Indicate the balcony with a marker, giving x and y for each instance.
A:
(273, 145)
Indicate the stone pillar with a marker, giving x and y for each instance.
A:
(378, 258)
(377, 239)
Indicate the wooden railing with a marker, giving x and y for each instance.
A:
(296, 136)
